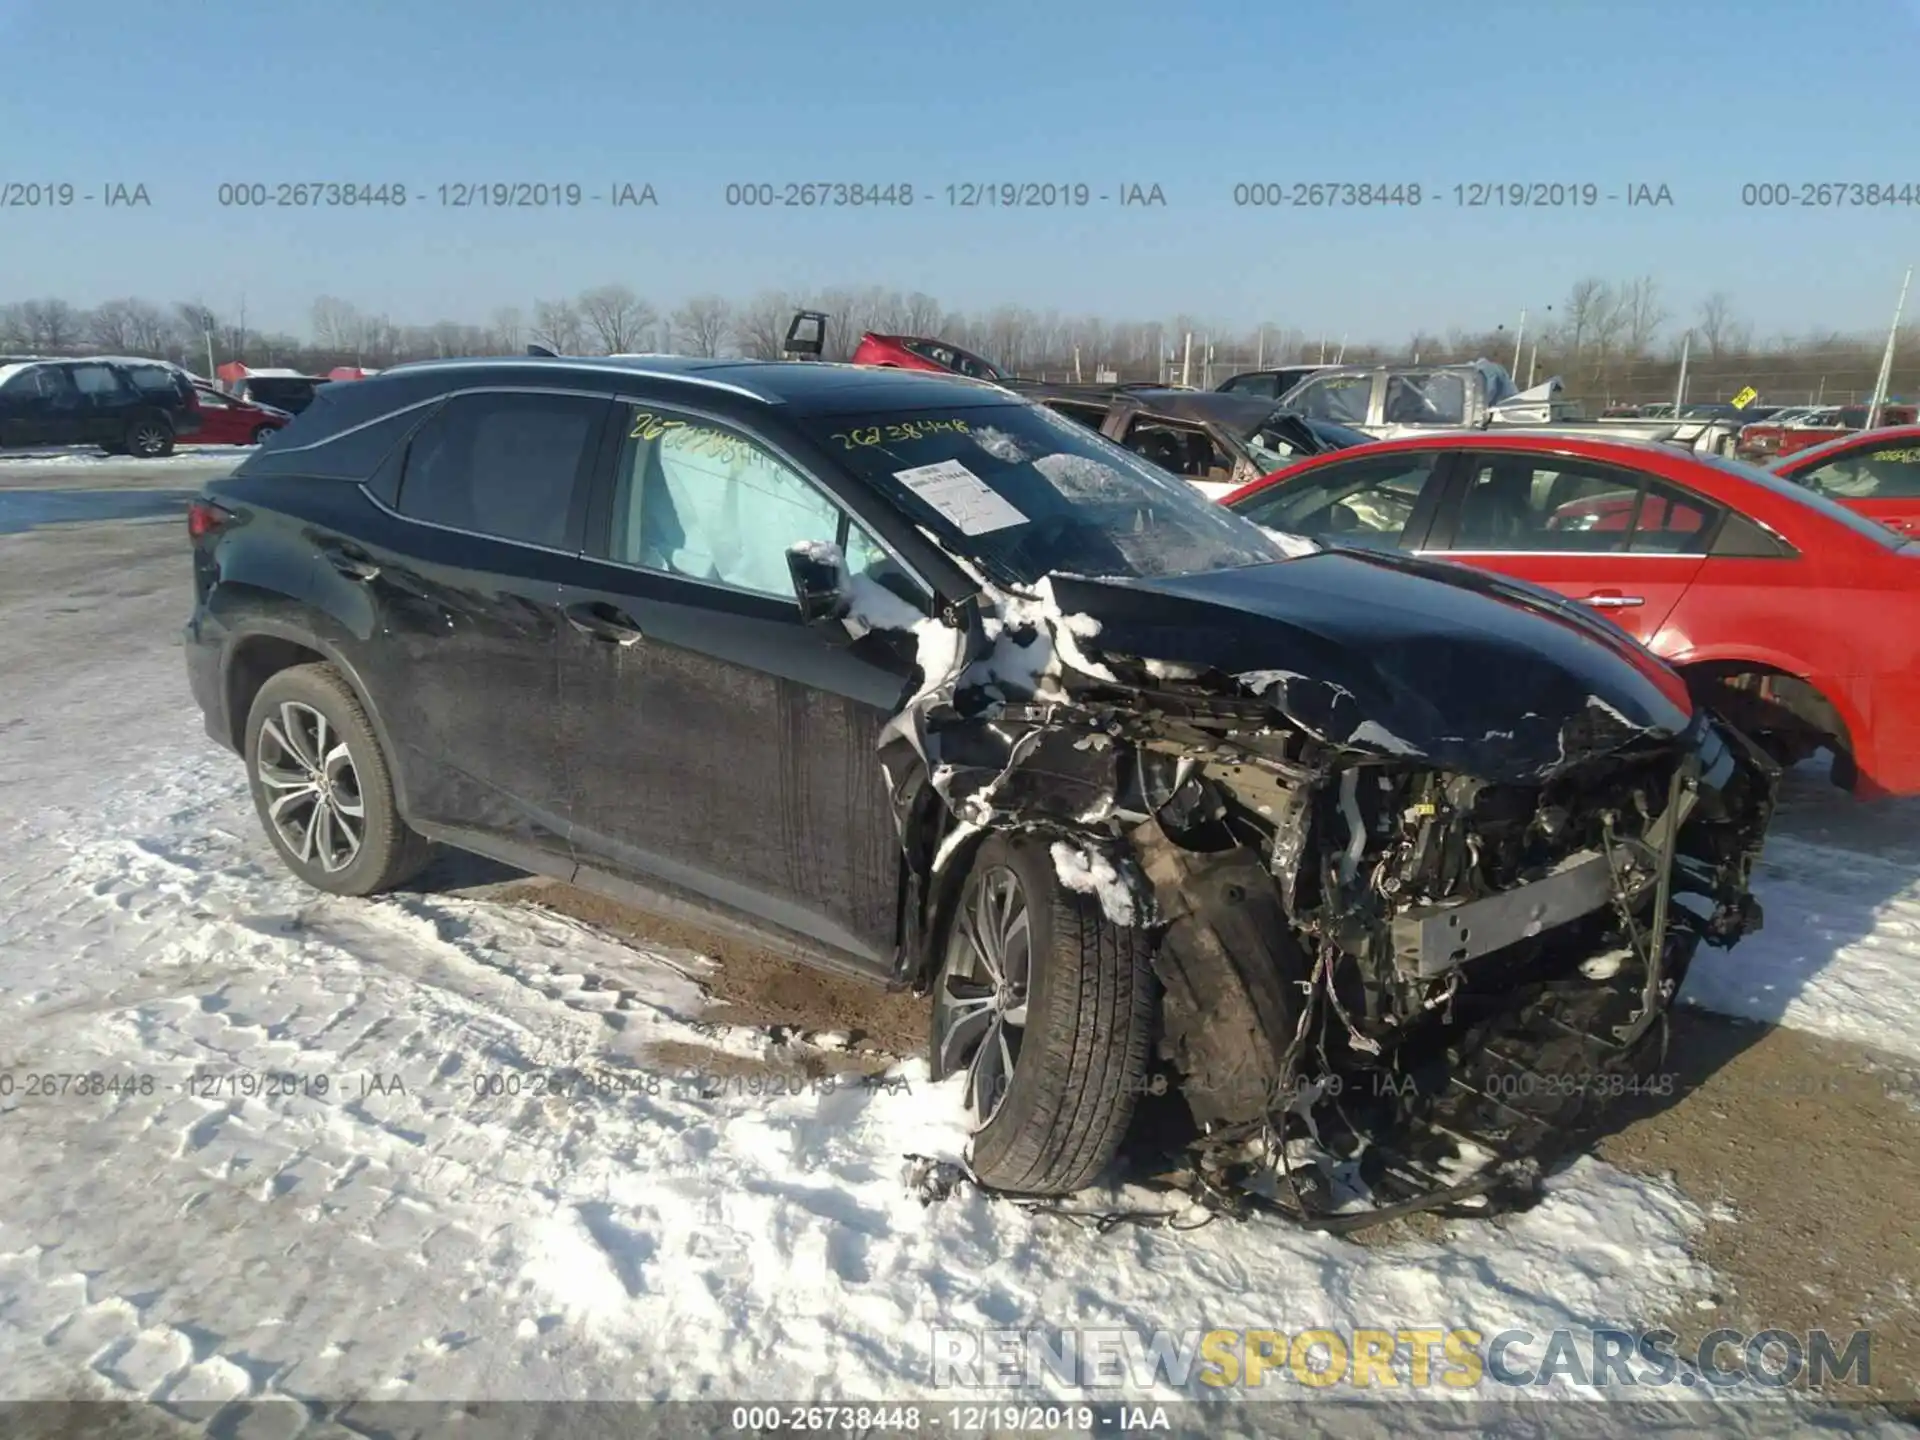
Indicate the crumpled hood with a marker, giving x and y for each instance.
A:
(1399, 656)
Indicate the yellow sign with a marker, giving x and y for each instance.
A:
(1745, 398)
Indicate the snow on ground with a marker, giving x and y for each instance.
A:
(431, 1228)
(1840, 951)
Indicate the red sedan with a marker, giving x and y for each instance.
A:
(1794, 616)
(229, 420)
(1876, 472)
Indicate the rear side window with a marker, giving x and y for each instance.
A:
(95, 379)
(1522, 503)
(152, 380)
(506, 465)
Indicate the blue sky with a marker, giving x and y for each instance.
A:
(1701, 97)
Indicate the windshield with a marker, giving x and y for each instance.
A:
(1860, 525)
(1028, 493)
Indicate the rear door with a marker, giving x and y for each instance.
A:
(107, 402)
(1880, 479)
(718, 747)
(1624, 543)
(26, 404)
(59, 415)
(461, 588)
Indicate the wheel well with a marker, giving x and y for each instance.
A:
(256, 660)
(1782, 711)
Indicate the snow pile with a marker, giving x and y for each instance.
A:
(1292, 546)
(1085, 871)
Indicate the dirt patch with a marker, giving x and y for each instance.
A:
(752, 985)
(1805, 1154)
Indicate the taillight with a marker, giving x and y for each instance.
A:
(204, 518)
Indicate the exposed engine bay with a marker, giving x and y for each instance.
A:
(1399, 971)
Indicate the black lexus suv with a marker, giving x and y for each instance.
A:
(126, 407)
(917, 680)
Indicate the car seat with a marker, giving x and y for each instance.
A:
(1497, 508)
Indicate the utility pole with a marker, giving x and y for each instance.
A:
(1519, 336)
(1886, 361)
(1260, 356)
(1533, 359)
(206, 330)
(1680, 390)
(1186, 362)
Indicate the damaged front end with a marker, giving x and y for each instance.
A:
(1399, 971)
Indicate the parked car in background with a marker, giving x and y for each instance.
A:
(1396, 400)
(1269, 384)
(916, 352)
(229, 420)
(137, 407)
(1780, 436)
(281, 390)
(1216, 440)
(1796, 616)
(915, 680)
(1876, 472)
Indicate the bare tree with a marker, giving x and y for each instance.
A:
(507, 330)
(557, 325)
(703, 323)
(336, 325)
(760, 327)
(618, 318)
(1643, 316)
(51, 326)
(1586, 305)
(1722, 332)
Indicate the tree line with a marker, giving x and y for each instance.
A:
(1610, 341)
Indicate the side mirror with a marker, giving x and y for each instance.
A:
(819, 575)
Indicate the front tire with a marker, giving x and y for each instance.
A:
(1047, 1006)
(322, 787)
(261, 432)
(149, 439)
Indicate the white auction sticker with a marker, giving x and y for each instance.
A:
(974, 507)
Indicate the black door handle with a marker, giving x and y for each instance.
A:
(601, 621)
(350, 561)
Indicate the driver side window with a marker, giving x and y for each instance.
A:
(706, 502)
(1358, 502)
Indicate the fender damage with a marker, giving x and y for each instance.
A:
(1421, 904)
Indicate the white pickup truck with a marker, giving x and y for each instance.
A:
(1388, 401)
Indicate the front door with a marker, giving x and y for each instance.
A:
(717, 746)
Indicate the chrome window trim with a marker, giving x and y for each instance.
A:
(439, 398)
(437, 367)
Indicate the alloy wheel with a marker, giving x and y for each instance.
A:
(314, 804)
(147, 441)
(980, 1007)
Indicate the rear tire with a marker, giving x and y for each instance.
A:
(1084, 999)
(261, 432)
(322, 786)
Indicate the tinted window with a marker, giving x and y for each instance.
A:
(34, 381)
(1536, 503)
(1340, 398)
(501, 464)
(1886, 472)
(1356, 502)
(1268, 385)
(95, 379)
(1091, 416)
(1672, 521)
(1029, 493)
